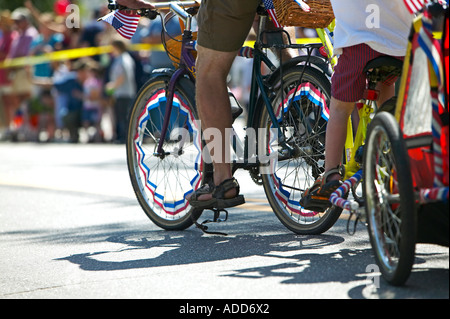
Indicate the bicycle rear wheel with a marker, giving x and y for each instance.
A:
(389, 199)
(162, 181)
(299, 103)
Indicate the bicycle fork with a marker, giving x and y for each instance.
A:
(170, 92)
(354, 145)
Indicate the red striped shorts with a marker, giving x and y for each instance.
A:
(349, 81)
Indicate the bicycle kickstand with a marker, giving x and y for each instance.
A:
(216, 219)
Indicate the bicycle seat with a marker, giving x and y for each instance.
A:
(383, 61)
(381, 68)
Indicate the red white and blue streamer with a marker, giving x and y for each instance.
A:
(336, 198)
(169, 207)
(429, 195)
(312, 93)
(307, 90)
(433, 50)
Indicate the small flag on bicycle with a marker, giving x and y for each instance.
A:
(126, 24)
(414, 6)
(268, 4)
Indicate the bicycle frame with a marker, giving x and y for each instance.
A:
(168, 159)
(187, 61)
(187, 67)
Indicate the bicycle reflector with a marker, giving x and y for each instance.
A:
(371, 94)
(323, 51)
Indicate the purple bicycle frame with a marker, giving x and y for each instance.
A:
(186, 67)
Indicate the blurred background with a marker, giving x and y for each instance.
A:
(62, 71)
(74, 96)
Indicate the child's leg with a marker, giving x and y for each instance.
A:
(347, 86)
(340, 112)
(336, 134)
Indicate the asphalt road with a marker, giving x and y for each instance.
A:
(70, 227)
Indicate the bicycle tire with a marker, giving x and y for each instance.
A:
(389, 199)
(161, 183)
(286, 180)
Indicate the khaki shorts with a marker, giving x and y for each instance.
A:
(223, 25)
(21, 82)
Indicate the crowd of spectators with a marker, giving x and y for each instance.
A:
(84, 99)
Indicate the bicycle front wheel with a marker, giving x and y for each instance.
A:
(300, 100)
(162, 179)
(389, 199)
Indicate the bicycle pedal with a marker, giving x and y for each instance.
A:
(315, 203)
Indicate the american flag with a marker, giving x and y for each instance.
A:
(268, 4)
(126, 24)
(414, 5)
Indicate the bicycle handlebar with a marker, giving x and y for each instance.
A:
(178, 7)
(113, 5)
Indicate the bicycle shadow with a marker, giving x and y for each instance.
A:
(162, 248)
(293, 259)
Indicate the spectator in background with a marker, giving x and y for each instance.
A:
(121, 86)
(47, 41)
(70, 36)
(6, 39)
(20, 77)
(92, 100)
(27, 33)
(61, 74)
(70, 87)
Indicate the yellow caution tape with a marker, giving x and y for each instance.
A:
(69, 55)
(72, 54)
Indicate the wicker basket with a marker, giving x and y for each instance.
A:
(173, 47)
(289, 13)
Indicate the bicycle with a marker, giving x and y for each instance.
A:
(288, 108)
(406, 161)
(377, 70)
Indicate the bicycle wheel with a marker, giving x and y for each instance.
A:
(299, 103)
(389, 199)
(162, 181)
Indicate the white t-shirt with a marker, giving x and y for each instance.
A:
(384, 25)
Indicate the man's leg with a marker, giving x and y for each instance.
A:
(213, 104)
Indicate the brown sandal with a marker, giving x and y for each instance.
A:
(317, 197)
(218, 200)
